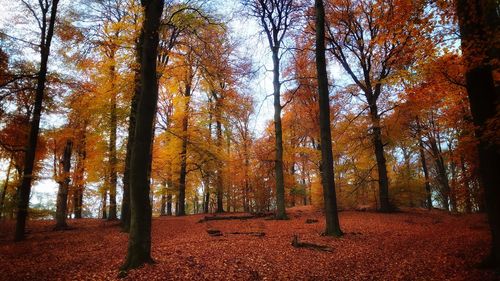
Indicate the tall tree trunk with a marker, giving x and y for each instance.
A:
(423, 161)
(139, 246)
(112, 144)
(442, 173)
(183, 169)
(479, 21)
(24, 189)
(5, 186)
(466, 185)
(278, 132)
(62, 193)
(125, 212)
(327, 173)
(163, 201)
(104, 203)
(78, 179)
(378, 145)
(220, 185)
(206, 195)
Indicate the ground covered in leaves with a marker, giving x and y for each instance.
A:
(411, 245)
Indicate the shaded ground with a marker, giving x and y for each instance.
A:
(416, 245)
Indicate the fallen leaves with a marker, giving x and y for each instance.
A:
(375, 247)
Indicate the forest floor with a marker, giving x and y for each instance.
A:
(411, 245)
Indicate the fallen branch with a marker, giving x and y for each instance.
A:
(214, 232)
(309, 221)
(252, 233)
(244, 217)
(297, 244)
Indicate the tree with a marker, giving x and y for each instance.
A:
(479, 28)
(372, 41)
(62, 193)
(139, 246)
(275, 17)
(46, 23)
(327, 173)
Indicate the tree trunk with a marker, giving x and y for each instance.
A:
(5, 187)
(442, 173)
(220, 185)
(62, 193)
(183, 169)
(479, 21)
(466, 186)
(104, 200)
(327, 173)
(163, 199)
(112, 145)
(29, 158)
(78, 179)
(423, 161)
(278, 132)
(139, 246)
(383, 181)
(125, 213)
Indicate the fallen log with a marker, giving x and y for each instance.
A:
(214, 232)
(242, 217)
(309, 221)
(297, 244)
(252, 233)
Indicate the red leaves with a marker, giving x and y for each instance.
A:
(418, 245)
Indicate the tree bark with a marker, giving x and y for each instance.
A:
(327, 173)
(139, 246)
(220, 185)
(29, 158)
(278, 131)
(5, 186)
(378, 145)
(423, 161)
(479, 26)
(78, 179)
(183, 169)
(62, 193)
(113, 176)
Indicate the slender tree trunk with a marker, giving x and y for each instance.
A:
(479, 21)
(24, 189)
(163, 199)
(125, 212)
(327, 173)
(139, 246)
(183, 169)
(104, 203)
(278, 132)
(423, 161)
(442, 173)
(113, 176)
(78, 179)
(62, 193)
(220, 185)
(206, 196)
(5, 187)
(169, 203)
(466, 186)
(383, 180)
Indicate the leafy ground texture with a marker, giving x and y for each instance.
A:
(410, 245)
